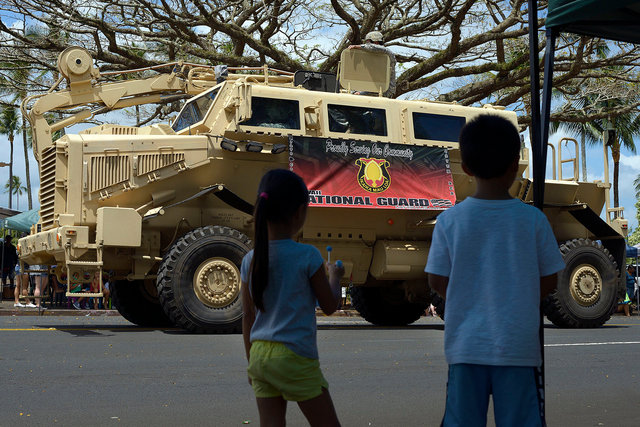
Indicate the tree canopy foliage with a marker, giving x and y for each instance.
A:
(468, 51)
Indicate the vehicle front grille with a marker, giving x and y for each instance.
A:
(151, 162)
(108, 170)
(48, 186)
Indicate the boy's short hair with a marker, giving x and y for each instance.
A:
(488, 145)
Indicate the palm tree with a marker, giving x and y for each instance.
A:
(22, 77)
(583, 103)
(626, 126)
(589, 134)
(19, 73)
(14, 186)
(9, 125)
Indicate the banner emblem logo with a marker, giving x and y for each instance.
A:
(373, 175)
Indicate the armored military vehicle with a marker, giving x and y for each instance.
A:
(166, 208)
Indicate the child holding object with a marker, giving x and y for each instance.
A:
(493, 258)
(281, 282)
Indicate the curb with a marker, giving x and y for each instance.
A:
(339, 313)
(57, 312)
(70, 312)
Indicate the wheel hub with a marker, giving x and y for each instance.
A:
(586, 285)
(217, 282)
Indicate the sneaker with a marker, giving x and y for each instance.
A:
(18, 304)
(76, 305)
(41, 308)
(31, 305)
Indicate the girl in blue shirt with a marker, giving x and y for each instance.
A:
(281, 282)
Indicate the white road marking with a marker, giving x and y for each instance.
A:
(592, 343)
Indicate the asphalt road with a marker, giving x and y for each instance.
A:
(103, 371)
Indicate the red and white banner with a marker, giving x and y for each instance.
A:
(362, 174)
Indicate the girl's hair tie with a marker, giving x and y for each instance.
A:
(264, 195)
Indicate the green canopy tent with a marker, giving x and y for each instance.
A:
(616, 20)
(21, 222)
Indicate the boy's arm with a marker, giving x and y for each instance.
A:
(439, 284)
(548, 285)
(248, 317)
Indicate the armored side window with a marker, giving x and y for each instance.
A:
(359, 120)
(194, 110)
(437, 127)
(274, 113)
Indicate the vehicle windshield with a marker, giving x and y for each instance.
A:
(194, 110)
(274, 113)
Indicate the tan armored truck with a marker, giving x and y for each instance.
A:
(166, 208)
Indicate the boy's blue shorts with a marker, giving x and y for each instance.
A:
(515, 396)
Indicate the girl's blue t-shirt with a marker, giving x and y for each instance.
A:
(289, 299)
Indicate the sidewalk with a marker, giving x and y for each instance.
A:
(7, 309)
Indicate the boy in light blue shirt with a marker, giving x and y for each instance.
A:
(493, 258)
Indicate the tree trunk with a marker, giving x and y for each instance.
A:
(26, 165)
(10, 169)
(615, 155)
(583, 155)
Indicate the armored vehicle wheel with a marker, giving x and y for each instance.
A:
(137, 301)
(385, 306)
(199, 280)
(586, 294)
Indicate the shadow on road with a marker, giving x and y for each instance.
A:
(439, 327)
(106, 330)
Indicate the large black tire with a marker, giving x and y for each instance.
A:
(385, 305)
(137, 301)
(199, 280)
(587, 292)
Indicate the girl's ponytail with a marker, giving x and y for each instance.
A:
(280, 195)
(260, 261)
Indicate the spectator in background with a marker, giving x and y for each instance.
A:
(9, 261)
(22, 286)
(58, 290)
(631, 281)
(106, 290)
(95, 288)
(41, 277)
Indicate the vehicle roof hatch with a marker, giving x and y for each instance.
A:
(363, 71)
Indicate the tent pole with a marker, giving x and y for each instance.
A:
(546, 112)
(539, 132)
(534, 78)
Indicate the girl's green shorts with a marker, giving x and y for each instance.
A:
(275, 371)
